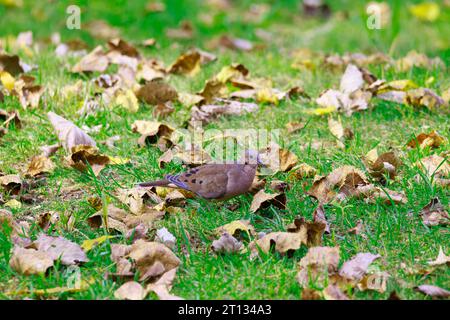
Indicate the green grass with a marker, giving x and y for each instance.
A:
(395, 232)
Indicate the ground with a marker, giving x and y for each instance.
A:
(396, 232)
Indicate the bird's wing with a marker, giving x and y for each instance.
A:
(208, 181)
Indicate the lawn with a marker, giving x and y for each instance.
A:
(395, 231)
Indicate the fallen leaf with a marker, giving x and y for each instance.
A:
(12, 183)
(123, 47)
(262, 200)
(316, 265)
(95, 61)
(89, 244)
(379, 166)
(11, 64)
(302, 171)
(163, 286)
(13, 204)
(69, 252)
(235, 228)
(432, 139)
(130, 290)
(441, 259)
(27, 91)
(300, 232)
(235, 43)
(156, 92)
(209, 112)
(434, 214)
(127, 100)
(436, 168)
(319, 217)
(423, 97)
(165, 237)
(415, 59)
(30, 261)
(38, 165)
(345, 180)
(152, 259)
(356, 268)
(333, 292)
(433, 291)
(69, 134)
(226, 244)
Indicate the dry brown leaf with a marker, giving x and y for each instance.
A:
(193, 156)
(83, 154)
(69, 134)
(284, 242)
(434, 214)
(424, 97)
(432, 139)
(10, 64)
(300, 232)
(115, 219)
(12, 183)
(209, 112)
(163, 286)
(293, 127)
(415, 59)
(262, 200)
(95, 61)
(320, 218)
(152, 259)
(40, 164)
(333, 292)
(189, 62)
(226, 244)
(27, 91)
(302, 171)
(345, 180)
(433, 291)
(130, 290)
(379, 166)
(69, 252)
(123, 47)
(165, 237)
(156, 92)
(30, 261)
(235, 43)
(441, 259)
(436, 168)
(213, 89)
(277, 159)
(235, 228)
(355, 269)
(316, 265)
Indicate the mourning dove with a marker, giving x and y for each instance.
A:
(214, 181)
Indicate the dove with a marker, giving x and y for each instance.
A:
(215, 181)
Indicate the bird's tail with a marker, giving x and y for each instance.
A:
(156, 183)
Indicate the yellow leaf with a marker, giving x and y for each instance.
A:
(426, 11)
(87, 245)
(13, 204)
(128, 101)
(118, 160)
(321, 111)
(7, 80)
